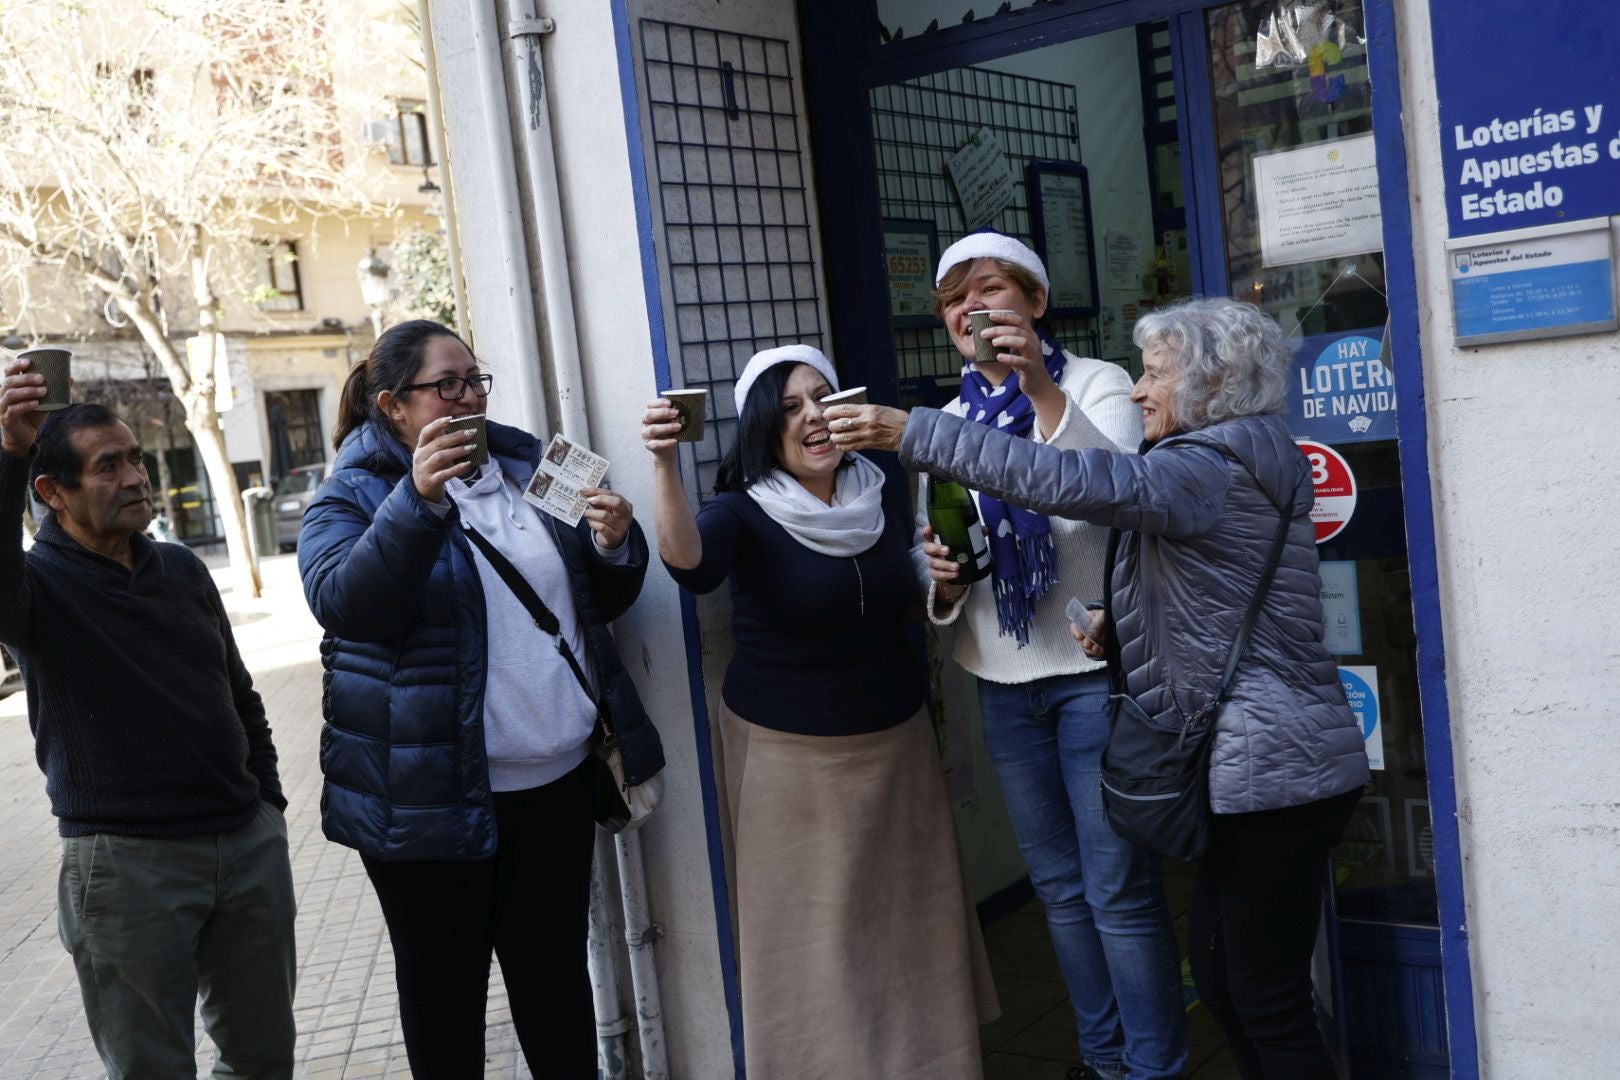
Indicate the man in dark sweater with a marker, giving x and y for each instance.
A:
(157, 757)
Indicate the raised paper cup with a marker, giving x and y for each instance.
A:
(692, 405)
(855, 395)
(52, 363)
(475, 423)
(983, 351)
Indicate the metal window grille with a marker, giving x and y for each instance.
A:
(731, 187)
(916, 126)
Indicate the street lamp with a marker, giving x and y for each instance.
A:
(373, 274)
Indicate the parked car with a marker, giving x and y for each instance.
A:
(293, 493)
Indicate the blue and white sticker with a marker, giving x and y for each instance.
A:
(1361, 690)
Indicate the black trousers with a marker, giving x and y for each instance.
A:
(1251, 929)
(530, 906)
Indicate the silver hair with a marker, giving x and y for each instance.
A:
(1230, 358)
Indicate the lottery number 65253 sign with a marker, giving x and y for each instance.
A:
(910, 253)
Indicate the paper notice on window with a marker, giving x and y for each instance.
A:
(1123, 253)
(983, 178)
(565, 470)
(1318, 201)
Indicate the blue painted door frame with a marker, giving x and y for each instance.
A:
(844, 59)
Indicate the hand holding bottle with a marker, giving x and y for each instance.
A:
(953, 519)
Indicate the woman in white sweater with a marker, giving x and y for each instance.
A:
(1044, 702)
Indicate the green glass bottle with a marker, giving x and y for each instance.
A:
(955, 518)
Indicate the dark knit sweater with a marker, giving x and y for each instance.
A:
(145, 720)
(821, 645)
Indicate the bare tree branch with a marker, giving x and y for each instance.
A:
(144, 149)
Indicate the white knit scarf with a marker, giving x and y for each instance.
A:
(851, 525)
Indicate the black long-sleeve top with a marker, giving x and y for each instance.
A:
(821, 640)
(144, 717)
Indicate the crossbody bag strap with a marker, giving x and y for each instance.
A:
(1251, 616)
(1116, 675)
(538, 611)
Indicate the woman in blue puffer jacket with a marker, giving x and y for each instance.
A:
(456, 742)
(1197, 510)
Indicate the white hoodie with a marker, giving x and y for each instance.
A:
(537, 719)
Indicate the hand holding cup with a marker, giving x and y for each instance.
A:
(441, 453)
(1003, 337)
(20, 416)
(661, 427)
(866, 427)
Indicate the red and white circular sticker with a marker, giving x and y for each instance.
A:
(1335, 489)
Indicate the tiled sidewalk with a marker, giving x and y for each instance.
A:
(346, 1007)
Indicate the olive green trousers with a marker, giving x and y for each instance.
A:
(153, 923)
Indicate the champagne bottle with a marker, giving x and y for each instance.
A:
(955, 518)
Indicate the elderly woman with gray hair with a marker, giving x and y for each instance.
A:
(1196, 512)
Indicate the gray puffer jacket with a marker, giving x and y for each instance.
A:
(1199, 513)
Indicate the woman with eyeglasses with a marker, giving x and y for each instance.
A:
(455, 748)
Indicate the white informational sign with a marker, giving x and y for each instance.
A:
(1318, 201)
(564, 470)
(1067, 241)
(1335, 488)
(1123, 252)
(1542, 282)
(1361, 691)
(1341, 609)
(983, 179)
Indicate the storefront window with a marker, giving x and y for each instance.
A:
(1293, 106)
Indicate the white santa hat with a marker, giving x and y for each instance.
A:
(990, 244)
(786, 354)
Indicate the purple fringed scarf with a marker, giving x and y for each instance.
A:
(1024, 566)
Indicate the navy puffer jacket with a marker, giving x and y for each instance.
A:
(397, 591)
(1198, 512)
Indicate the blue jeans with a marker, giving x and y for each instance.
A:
(1104, 899)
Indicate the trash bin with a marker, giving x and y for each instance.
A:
(261, 520)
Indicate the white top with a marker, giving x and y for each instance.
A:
(1099, 415)
(537, 718)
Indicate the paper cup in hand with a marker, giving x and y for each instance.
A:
(475, 423)
(855, 395)
(691, 405)
(983, 351)
(53, 364)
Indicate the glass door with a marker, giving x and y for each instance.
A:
(1295, 197)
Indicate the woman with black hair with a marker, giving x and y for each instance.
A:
(859, 951)
(456, 743)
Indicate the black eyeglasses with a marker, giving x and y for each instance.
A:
(455, 387)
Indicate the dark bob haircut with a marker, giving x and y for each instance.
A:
(757, 451)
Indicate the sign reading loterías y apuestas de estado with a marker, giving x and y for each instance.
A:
(1529, 112)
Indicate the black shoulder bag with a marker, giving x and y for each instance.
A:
(1155, 780)
(617, 807)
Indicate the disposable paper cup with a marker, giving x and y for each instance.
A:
(855, 395)
(692, 405)
(983, 351)
(53, 364)
(480, 455)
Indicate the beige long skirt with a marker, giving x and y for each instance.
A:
(859, 946)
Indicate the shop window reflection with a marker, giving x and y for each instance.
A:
(1278, 86)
